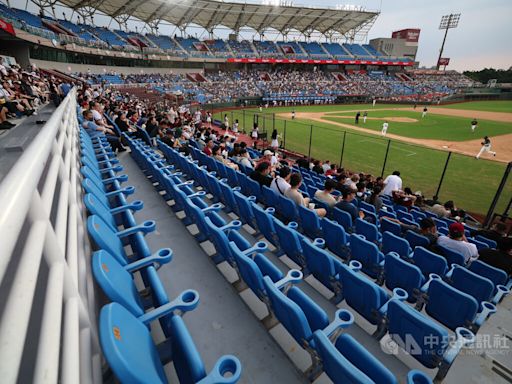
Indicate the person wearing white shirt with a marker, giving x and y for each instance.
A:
(326, 196)
(384, 128)
(326, 166)
(456, 241)
(281, 183)
(392, 183)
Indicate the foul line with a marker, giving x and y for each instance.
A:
(378, 142)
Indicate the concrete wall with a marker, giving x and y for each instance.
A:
(68, 67)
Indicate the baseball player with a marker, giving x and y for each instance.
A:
(293, 114)
(486, 147)
(374, 102)
(424, 113)
(474, 125)
(384, 128)
(365, 115)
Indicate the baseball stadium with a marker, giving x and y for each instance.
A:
(257, 191)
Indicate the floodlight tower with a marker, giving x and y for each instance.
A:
(447, 22)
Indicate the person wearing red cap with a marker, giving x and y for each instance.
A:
(456, 241)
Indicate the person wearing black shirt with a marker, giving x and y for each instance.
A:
(499, 258)
(358, 115)
(122, 122)
(262, 174)
(496, 233)
(346, 205)
(303, 162)
(474, 125)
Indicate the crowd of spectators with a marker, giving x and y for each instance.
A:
(23, 93)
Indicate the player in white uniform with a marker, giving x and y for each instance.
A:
(365, 116)
(486, 147)
(424, 113)
(293, 114)
(384, 128)
(374, 101)
(474, 124)
(226, 122)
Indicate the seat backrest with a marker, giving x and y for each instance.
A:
(319, 262)
(450, 306)
(254, 188)
(335, 238)
(96, 207)
(245, 209)
(289, 242)
(368, 230)
(429, 262)
(452, 257)
(496, 275)
(362, 294)
(116, 282)
(393, 243)
(401, 274)
(343, 218)
(474, 285)
(490, 243)
(221, 241)
(128, 347)
(310, 222)
(421, 337)
(287, 208)
(388, 225)
(479, 244)
(269, 196)
(288, 312)
(249, 271)
(105, 238)
(228, 197)
(416, 240)
(368, 207)
(367, 254)
(265, 223)
(349, 362)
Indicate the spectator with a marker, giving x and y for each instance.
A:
(499, 258)
(303, 162)
(208, 147)
(245, 159)
(392, 183)
(326, 166)
(294, 194)
(444, 210)
(456, 241)
(375, 199)
(331, 171)
(95, 130)
(281, 183)
(347, 206)
(326, 195)
(361, 191)
(317, 167)
(216, 153)
(262, 174)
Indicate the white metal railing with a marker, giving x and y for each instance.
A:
(48, 330)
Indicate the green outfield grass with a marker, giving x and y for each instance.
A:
(491, 106)
(469, 182)
(431, 127)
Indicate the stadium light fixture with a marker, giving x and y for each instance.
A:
(447, 22)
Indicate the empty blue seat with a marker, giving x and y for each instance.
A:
(490, 243)
(367, 207)
(347, 362)
(479, 244)
(134, 358)
(401, 274)
(368, 255)
(393, 243)
(423, 339)
(265, 223)
(310, 222)
(479, 287)
(368, 230)
(390, 226)
(343, 218)
(289, 242)
(287, 209)
(269, 196)
(336, 239)
(451, 256)
(116, 280)
(416, 240)
(429, 262)
(245, 209)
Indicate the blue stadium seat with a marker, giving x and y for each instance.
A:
(289, 241)
(336, 239)
(265, 223)
(368, 255)
(134, 358)
(401, 274)
(429, 262)
(416, 240)
(390, 226)
(343, 218)
(393, 243)
(368, 230)
(310, 223)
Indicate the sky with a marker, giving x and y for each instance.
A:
(482, 39)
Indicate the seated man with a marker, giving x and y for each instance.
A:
(294, 194)
(262, 174)
(326, 195)
(281, 183)
(444, 210)
(95, 130)
(499, 258)
(456, 241)
(346, 204)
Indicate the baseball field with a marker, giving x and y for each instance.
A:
(418, 147)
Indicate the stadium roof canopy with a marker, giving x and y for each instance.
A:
(213, 13)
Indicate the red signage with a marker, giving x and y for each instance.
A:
(299, 61)
(444, 61)
(410, 34)
(5, 26)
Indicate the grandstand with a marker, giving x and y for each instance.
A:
(145, 234)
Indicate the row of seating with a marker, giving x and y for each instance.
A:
(122, 256)
(359, 248)
(249, 261)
